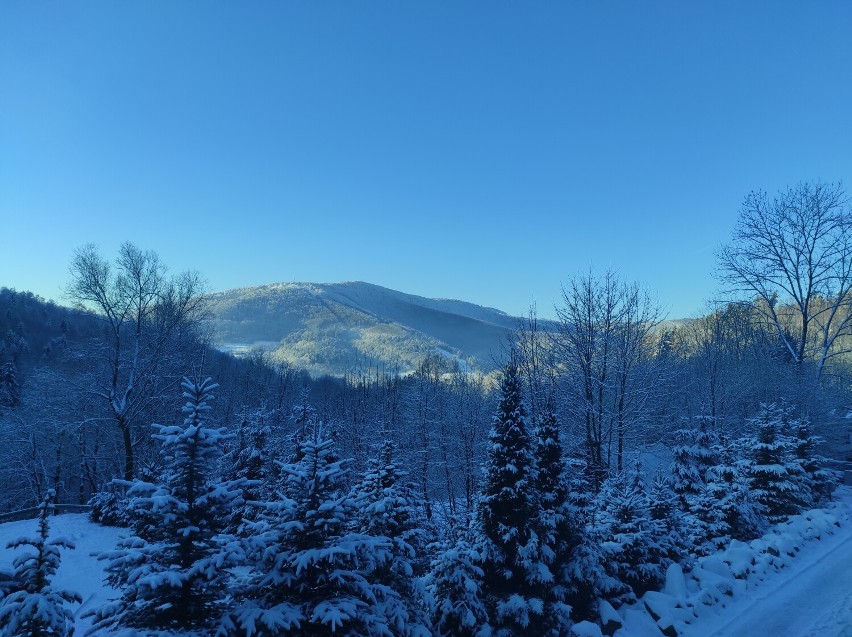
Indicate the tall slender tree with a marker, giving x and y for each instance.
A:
(558, 529)
(515, 575)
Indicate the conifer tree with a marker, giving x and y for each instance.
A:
(738, 515)
(515, 575)
(633, 554)
(455, 583)
(250, 462)
(557, 528)
(172, 572)
(818, 483)
(775, 475)
(705, 527)
(666, 518)
(387, 510)
(694, 454)
(587, 579)
(10, 390)
(310, 575)
(38, 609)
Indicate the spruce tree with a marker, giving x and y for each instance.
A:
(738, 514)
(587, 579)
(38, 609)
(557, 528)
(515, 575)
(775, 475)
(666, 517)
(10, 390)
(249, 461)
(818, 482)
(310, 575)
(633, 553)
(694, 454)
(172, 571)
(388, 510)
(455, 584)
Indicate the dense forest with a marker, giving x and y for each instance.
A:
(609, 445)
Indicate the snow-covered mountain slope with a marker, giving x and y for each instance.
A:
(331, 328)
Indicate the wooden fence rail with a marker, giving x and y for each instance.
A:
(32, 512)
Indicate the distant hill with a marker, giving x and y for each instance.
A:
(331, 328)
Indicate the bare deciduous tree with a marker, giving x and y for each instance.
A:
(604, 352)
(145, 310)
(793, 255)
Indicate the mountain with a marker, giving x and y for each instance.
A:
(331, 328)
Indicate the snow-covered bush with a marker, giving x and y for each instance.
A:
(109, 508)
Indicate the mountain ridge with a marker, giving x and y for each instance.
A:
(329, 328)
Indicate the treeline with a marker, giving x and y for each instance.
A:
(225, 541)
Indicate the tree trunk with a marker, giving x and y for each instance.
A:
(129, 468)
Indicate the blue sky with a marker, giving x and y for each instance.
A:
(477, 150)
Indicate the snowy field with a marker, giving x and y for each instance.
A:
(794, 582)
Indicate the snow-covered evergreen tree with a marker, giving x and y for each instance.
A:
(558, 529)
(705, 527)
(735, 513)
(10, 390)
(455, 584)
(304, 418)
(633, 554)
(585, 575)
(666, 517)
(310, 575)
(776, 476)
(388, 510)
(38, 609)
(250, 461)
(172, 571)
(694, 454)
(818, 482)
(515, 572)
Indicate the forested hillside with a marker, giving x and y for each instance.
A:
(332, 328)
(548, 496)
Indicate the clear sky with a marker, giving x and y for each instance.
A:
(477, 150)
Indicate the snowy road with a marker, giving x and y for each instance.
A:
(813, 599)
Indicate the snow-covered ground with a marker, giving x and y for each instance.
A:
(796, 581)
